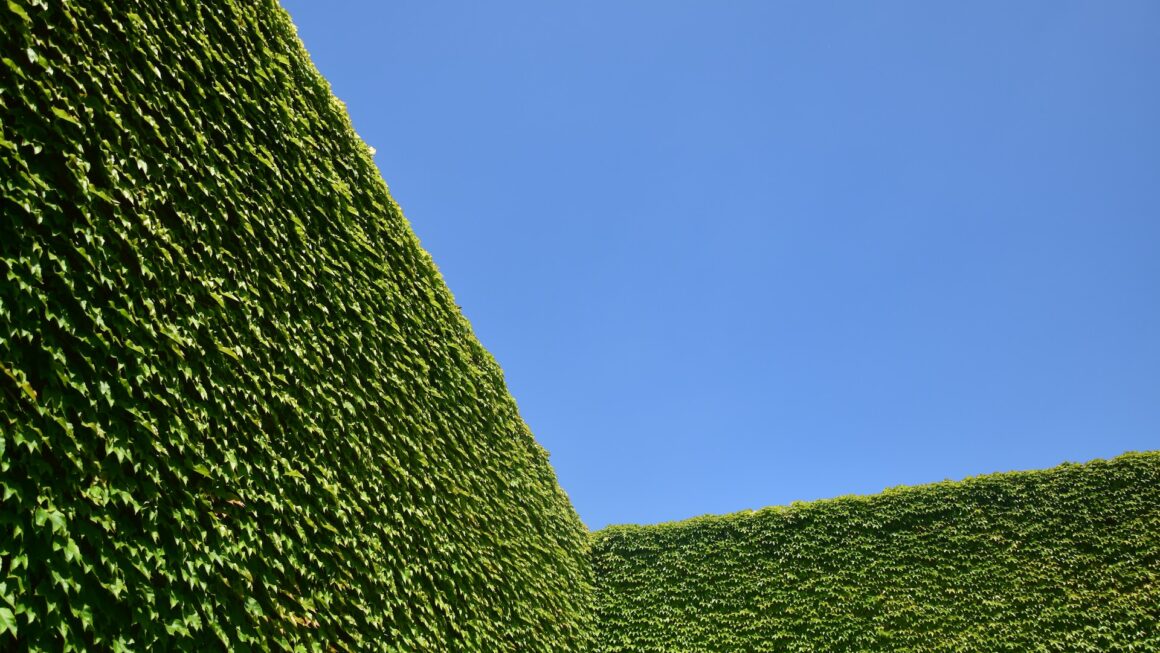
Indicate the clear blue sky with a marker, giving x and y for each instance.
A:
(736, 254)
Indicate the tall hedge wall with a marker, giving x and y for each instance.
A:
(239, 407)
(1066, 560)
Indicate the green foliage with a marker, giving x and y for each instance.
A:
(1065, 560)
(240, 410)
(238, 406)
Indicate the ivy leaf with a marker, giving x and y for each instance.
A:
(64, 115)
(24, 385)
(85, 614)
(19, 11)
(56, 518)
(7, 621)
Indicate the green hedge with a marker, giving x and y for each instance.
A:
(1066, 559)
(240, 410)
(239, 407)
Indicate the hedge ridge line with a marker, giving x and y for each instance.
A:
(1065, 559)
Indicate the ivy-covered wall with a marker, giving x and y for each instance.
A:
(1062, 560)
(239, 410)
(238, 406)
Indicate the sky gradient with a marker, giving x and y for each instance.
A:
(739, 254)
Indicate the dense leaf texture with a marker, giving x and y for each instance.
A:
(1065, 560)
(239, 407)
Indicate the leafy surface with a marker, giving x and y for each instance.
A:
(239, 407)
(1066, 560)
